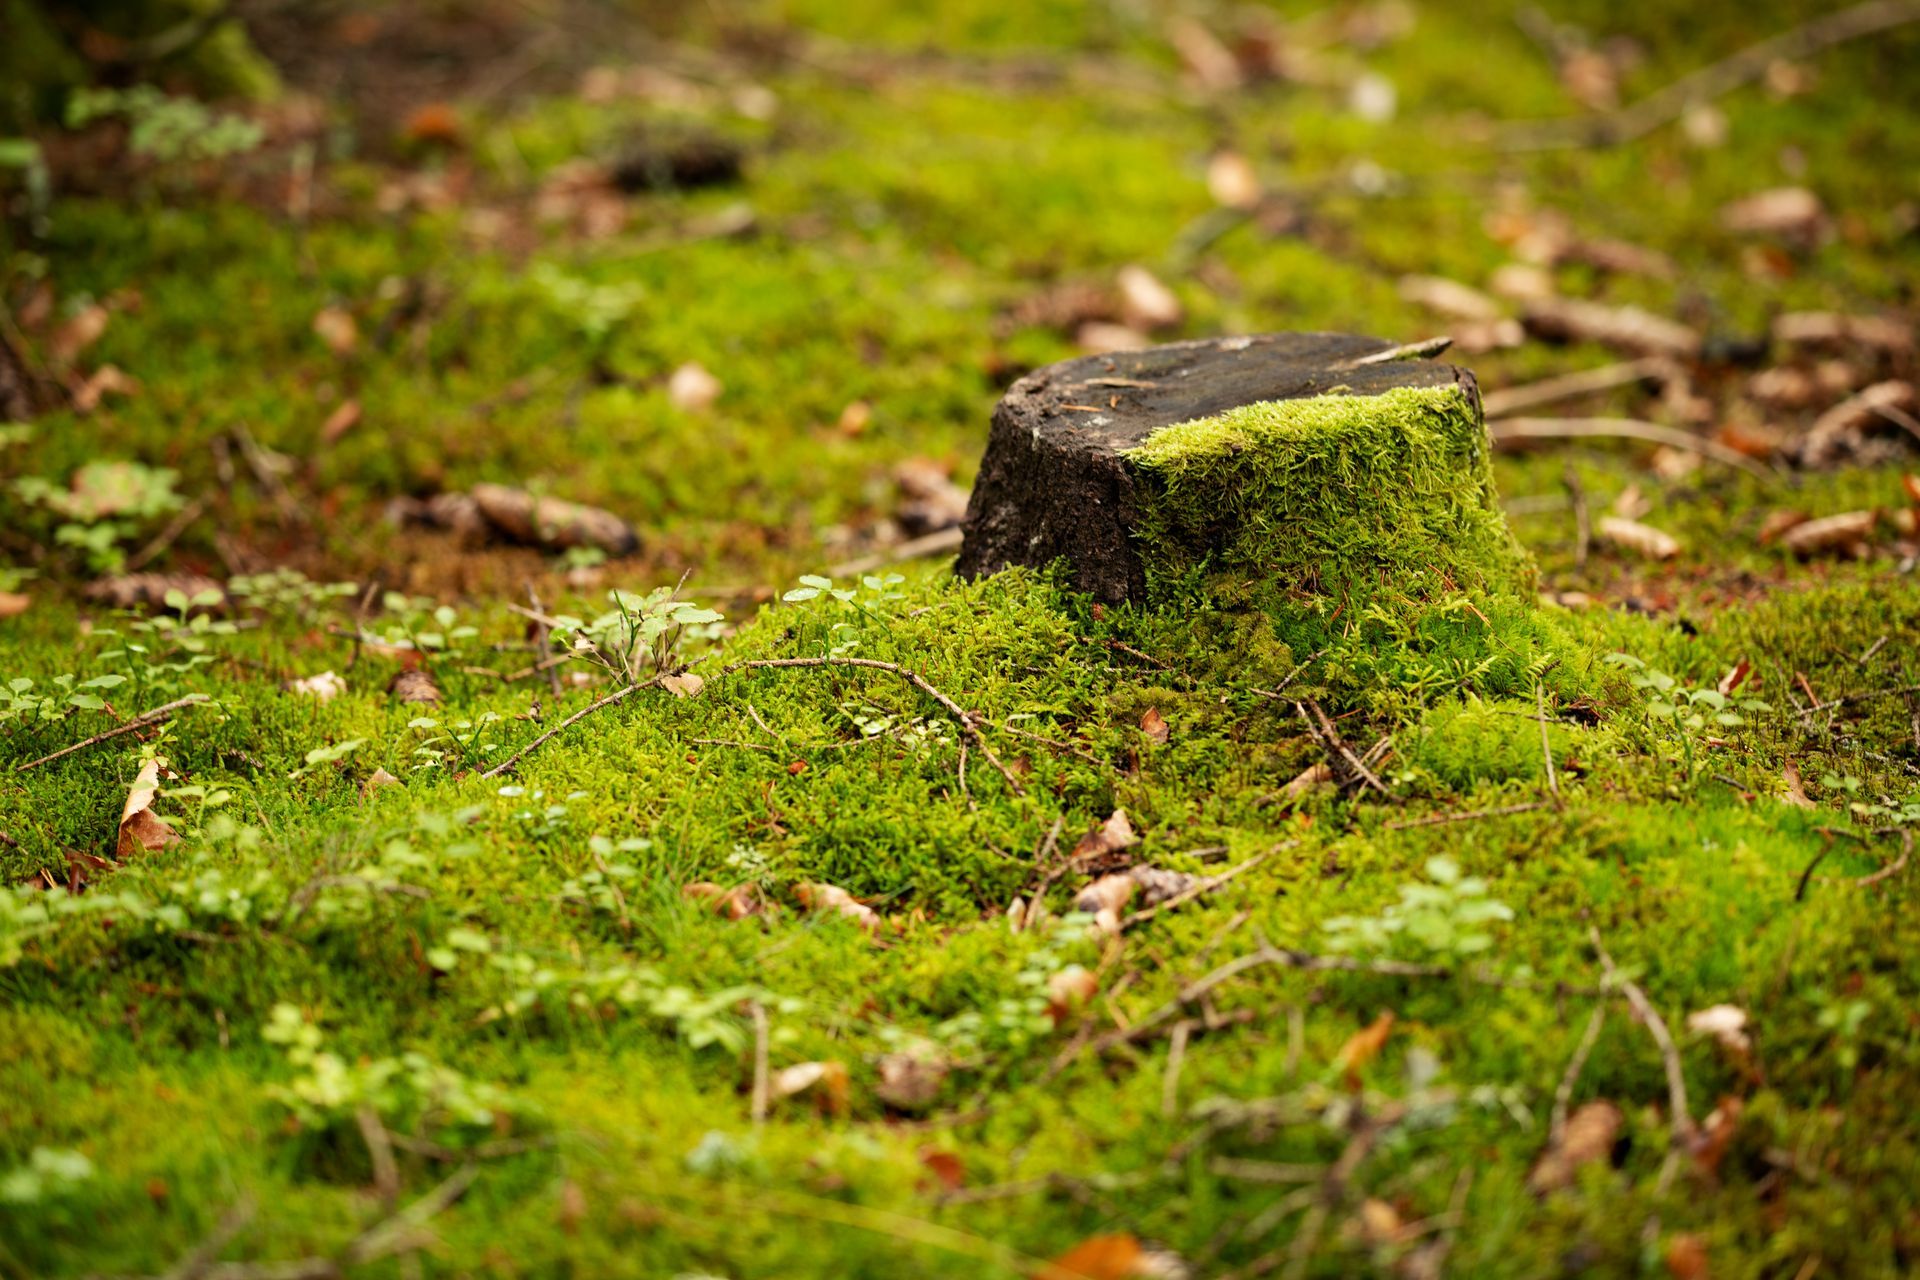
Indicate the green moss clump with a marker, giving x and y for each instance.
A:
(1348, 496)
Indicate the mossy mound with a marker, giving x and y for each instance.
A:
(1350, 496)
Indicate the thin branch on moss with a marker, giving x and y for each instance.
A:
(1563, 1096)
(1517, 431)
(1582, 519)
(1054, 743)
(1499, 403)
(1292, 675)
(1649, 1017)
(616, 696)
(1330, 738)
(762, 1085)
(1207, 885)
(1425, 349)
(960, 716)
(1442, 819)
(1893, 868)
(144, 720)
(1855, 698)
(1367, 1131)
(1546, 744)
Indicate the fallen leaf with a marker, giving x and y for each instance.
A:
(1726, 1023)
(946, 1167)
(1097, 337)
(1784, 387)
(1589, 1136)
(1686, 1257)
(1478, 336)
(1158, 885)
(414, 685)
(1113, 836)
(1068, 989)
(855, 418)
(552, 523)
(1154, 725)
(1380, 1223)
(380, 778)
(342, 420)
(1231, 181)
(1641, 539)
(684, 685)
(1778, 522)
(692, 389)
(1836, 434)
(1717, 1132)
(78, 332)
(929, 499)
(107, 380)
(141, 829)
(736, 903)
(1449, 298)
(1843, 534)
(12, 604)
(1911, 483)
(150, 590)
(826, 1081)
(1314, 775)
(1796, 790)
(1363, 1046)
(1210, 62)
(1794, 212)
(1736, 676)
(1109, 1257)
(1628, 329)
(336, 328)
(1521, 282)
(910, 1081)
(324, 687)
(1834, 329)
(435, 124)
(1705, 126)
(818, 897)
(1145, 303)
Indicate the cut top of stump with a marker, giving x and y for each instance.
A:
(1285, 457)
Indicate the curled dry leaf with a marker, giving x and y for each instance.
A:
(1109, 1257)
(1736, 676)
(1623, 328)
(343, 419)
(736, 903)
(335, 327)
(107, 380)
(141, 829)
(1726, 1023)
(1449, 298)
(1097, 337)
(946, 1167)
(911, 1081)
(1154, 725)
(12, 604)
(1835, 329)
(818, 897)
(826, 1082)
(414, 685)
(1796, 794)
(692, 388)
(1837, 433)
(78, 332)
(684, 685)
(1068, 989)
(1145, 303)
(1209, 61)
(1158, 885)
(1716, 1134)
(1363, 1046)
(1231, 181)
(1103, 900)
(1314, 775)
(1842, 534)
(552, 523)
(1794, 212)
(1113, 836)
(1686, 1257)
(324, 687)
(381, 778)
(1589, 1136)
(1641, 539)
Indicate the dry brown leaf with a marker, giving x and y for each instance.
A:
(1784, 387)
(1231, 181)
(826, 1081)
(1210, 62)
(335, 327)
(1705, 126)
(1068, 989)
(692, 389)
(1109, 1257)
(1379, 1222)
(107, 380)
(551, 522)
(929, 499)
(1589, 1137)
(13, 604)
(1736, 676)
(1726, 1023)
(435, 124)
(1521, 282)
(1843, 534)
(1836, 433)
(1115, 835)
(1911, 483)
(1145, 303)
(855, 418)
(1449, 298)
(910, 1081)
(1796, 790)
(78, 332)
(684, 685)
(1794, 212)
(1835, 329)
(946, 1167)
(324, 687)
(1778, 522)
(380, 778)
(141, 829)
(342, 420)
(1363, 1046)
(819, 897)
(1623, 328)
(1478, 336)
(148, 590)
(1717, 1132)
(736, 903)
(1154, 725)
(414, 685)
(1686, 1257)
(1641, 539)
(1158, 885)
(1314, 775)
(1098, 338)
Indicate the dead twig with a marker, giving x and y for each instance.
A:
(1893, 868)
(1518, 431)
(1425, 349)
(141, 721)
(1330, 738)
(1207, 885)
(1333, 1188)
(1477, 814)
(1176, 1058)
(541, 643)
(762, 1080)
(167, 536)
(1680, 1119)
(961, 717)
(1854, 699)
(1637, 119)
(1582, 519)
(616, 696)
(1497, 404)
(1546, 744)
(1563, 1096)
(386, 1174)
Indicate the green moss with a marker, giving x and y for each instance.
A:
(1339, 495)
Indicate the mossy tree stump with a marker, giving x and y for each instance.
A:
(1288, 459)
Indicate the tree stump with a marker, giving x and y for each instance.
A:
(1289, 459)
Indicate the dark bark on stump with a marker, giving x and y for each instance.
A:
(1053, 483)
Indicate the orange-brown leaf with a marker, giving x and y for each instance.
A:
(1364, 1046)
(1108, 1257)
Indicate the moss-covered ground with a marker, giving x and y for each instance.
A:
(330, 994)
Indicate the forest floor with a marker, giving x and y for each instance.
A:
(381, 894)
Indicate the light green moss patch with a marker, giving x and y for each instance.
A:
(1348, 496)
